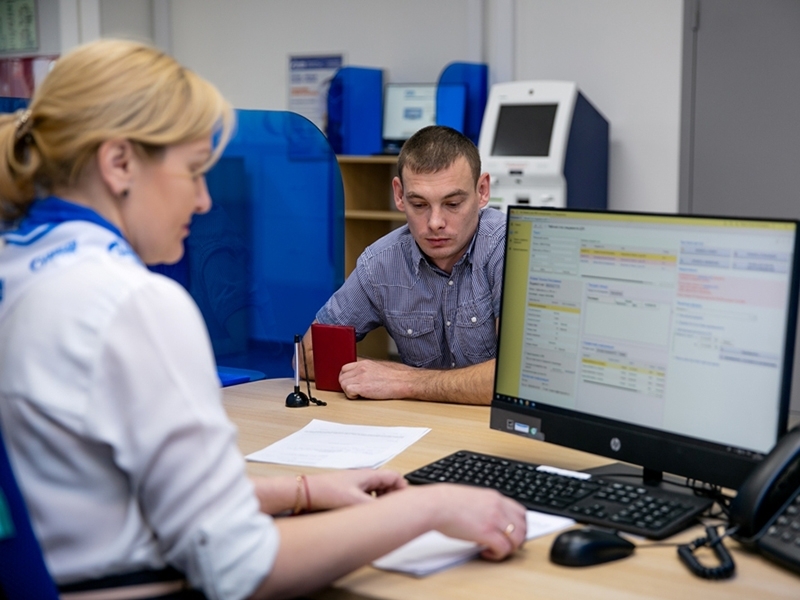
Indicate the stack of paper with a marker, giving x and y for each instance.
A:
(434, 551)
(338, 446)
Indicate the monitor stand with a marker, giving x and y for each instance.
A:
(632, 475)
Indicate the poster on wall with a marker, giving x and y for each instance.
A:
(18, 32)
(309, 79)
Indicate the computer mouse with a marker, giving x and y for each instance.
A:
(589, 546)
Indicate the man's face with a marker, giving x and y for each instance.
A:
(442, 209)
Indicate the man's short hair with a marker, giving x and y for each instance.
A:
(435, 148)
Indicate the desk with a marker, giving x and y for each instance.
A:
(259, 412)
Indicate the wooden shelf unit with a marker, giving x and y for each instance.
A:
(369, 214)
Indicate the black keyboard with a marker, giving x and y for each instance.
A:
(651, 512)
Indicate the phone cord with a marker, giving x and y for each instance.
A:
(726, 567)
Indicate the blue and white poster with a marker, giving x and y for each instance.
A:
(309, 79)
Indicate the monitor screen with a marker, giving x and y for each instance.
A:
(660, 340)
(407, 108)
(524, 130)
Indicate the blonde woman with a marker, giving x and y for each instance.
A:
(109, 402)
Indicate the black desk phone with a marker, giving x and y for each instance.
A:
(766, 508)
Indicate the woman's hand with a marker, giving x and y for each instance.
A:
(480, 515)
(343, 488)
(343, 540)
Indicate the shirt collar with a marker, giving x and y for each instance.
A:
(55, 210)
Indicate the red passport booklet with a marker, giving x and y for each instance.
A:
(333, 346)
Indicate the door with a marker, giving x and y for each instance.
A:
(740, 143)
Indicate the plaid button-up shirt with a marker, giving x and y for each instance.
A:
(438, 320)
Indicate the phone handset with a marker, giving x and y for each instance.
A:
(767, 488)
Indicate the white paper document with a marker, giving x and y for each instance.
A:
(434, 551)
(338, 446)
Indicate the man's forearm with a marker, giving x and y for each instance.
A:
(468, 385)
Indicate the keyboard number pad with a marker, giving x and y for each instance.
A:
(638, 508)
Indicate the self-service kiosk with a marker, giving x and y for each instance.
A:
(544, 144)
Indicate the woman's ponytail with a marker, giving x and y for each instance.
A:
(19, 162)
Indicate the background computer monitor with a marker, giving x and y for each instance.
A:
(659, 340)
(524, 130)
(407, 108)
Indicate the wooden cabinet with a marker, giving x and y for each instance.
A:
(369, 214)
(369, 211)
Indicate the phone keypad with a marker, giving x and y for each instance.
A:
(782, 539)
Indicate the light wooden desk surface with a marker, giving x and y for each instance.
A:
(259, 412)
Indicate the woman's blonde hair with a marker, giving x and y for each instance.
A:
(103, 90)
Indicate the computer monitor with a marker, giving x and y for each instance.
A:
(407, 108)
(527, 124)
(659, 340)
(524, 130)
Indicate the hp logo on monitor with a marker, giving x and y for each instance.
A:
(615, 444)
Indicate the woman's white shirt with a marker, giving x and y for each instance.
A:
(112, 414)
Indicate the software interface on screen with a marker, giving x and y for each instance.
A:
(524, 130)
(672, 323)
(407, 109)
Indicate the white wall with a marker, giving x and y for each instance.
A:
(131, 19)
(626, 57)
(243, 46)
(624, 54)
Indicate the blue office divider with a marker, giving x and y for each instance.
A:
(475, 76)
(355, 111)
(451, 105)
(271, 250)
(9, 105)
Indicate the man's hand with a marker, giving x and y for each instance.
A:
(376, 380)
(383, 380)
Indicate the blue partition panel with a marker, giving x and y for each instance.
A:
(451, 105)
(355, 111)
(475, 76)
(271, 250)
(9, 105)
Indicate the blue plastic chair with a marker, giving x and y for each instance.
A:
(23, 573)
(271, 250)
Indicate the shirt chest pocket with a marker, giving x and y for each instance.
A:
(416, 337)
(476, 331)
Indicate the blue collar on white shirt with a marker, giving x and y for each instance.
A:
(53, 211)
